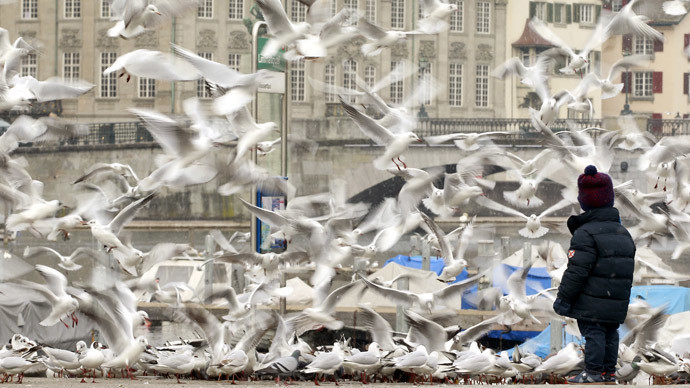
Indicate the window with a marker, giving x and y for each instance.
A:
(108, 86)
(370, 10)
(205, 9)
(72, 9)
(29, 9)
(455, 84)
(424, 81)
(71, 66)
(329, 78)
(559, 13)
(397, 86)
(398, 14)
(350, 76)
(147, 87)
(525, 57)
(642, 84)
(105, 9)
(587, 13)
(29, 66)
(236, 10)
(201, 89)
(457, 17)
(234, 61)
(370, 76)
(353, 6)
(297, 79)
(643, 45)
(616, 5)
(540, 11)
(481, 96)
(483, 17)
(333, 9)
(298, 11)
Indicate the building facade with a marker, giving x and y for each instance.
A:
(574, 22)
(73, 43)
(661, 90)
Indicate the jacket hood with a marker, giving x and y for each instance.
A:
(603, 214)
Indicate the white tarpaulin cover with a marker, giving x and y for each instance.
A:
(22, 309)
(301, 294)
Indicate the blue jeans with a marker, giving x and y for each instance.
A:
(601, 346)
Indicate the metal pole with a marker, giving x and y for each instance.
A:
(526, 254)
(556, 329)
(426, 256)
(283, 300)
(208, 268)
(255, 110)
(400, 323)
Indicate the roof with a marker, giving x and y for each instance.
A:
(531, 38)
(653, 9)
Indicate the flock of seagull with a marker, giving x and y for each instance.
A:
(331, 230)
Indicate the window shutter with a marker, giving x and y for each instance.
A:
(558, 11)
(658, 45)
(686, 41)
(607, 4)
(597, 13)
(576, 13)
(532, 9)
(568, 14)
(657, 82)
(685, 83)
(625, 77)
(627, 44)
(549, 13)
(625, 2)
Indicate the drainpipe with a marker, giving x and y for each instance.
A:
(56, 39)
(172, 84)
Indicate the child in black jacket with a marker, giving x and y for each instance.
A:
(595, 288)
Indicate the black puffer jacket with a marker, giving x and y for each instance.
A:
(596, 285)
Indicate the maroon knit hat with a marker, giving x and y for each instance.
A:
(595, 189)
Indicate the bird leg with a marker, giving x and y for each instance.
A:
(665, 179)
(316, 379)
(178, 378)
(403, 163)
(93, 376)
(63, 322)
(335, 379)
(396, 164)
(657, 182)
(65, 234)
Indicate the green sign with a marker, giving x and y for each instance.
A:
(272, 63)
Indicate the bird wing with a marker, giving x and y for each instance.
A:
(425, 332)
(55, 281)
(275, 16)
(628, 62)
(329, 303)
(449, 293)
(209, 325)
(476, 331)
(370, 30)
(55, 88)
(404, 298)
(175, 138)
(222, 241)
(668, 274)
(33, 251)
(270, 217)
(596, 38)
(261, 323)
(210, 70)
(446, 250)
(379, 328)
(626, 21)
(465, 239)
(516, 282)
(367, 125)
(555, 207)
(4, 40)
(542, 29)
(128, 213)
(493, 205)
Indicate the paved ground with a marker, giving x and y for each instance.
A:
(154, 382)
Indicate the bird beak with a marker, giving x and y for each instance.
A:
(147, 322)
(159, 14)
(83, 222)
(420, 141)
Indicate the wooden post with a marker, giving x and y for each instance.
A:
(208, 268)
(400, 323)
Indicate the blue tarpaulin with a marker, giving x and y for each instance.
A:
(537, 280)
(676, 299)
